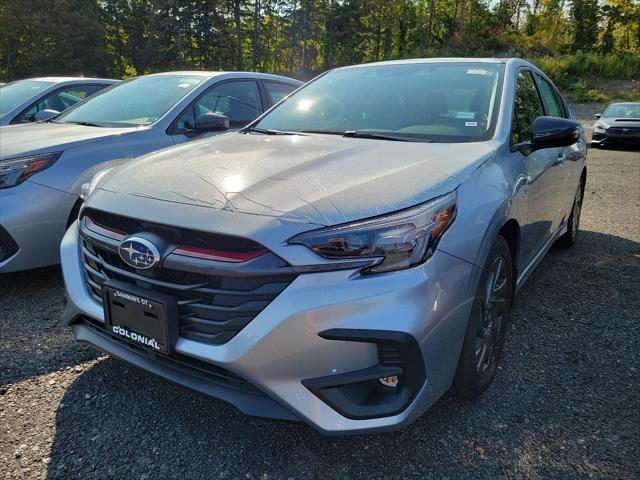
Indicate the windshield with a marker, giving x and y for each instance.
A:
(13, 94)
(440, 102)
(622, 110)
(140, 101)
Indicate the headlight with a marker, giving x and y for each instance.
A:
(17, 170)
(401, 240)
(602, 128)
(89, 187)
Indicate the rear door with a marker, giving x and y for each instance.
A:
(545, 176)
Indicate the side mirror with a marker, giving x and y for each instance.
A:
(597, 115)
(551, 132)
(45, 114)
(211, 122)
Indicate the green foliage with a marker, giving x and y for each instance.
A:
(585, 75)
(566, 68)
(585, 18)
(124, 38)
(583, 91)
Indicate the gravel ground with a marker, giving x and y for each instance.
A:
(565, 403)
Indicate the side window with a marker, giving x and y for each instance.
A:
(277, 91)
(526, 108)
(552, 104)
(58, 100)
(563, 106)
(240, 101)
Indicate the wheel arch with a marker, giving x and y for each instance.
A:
(75, 211)
(583, 177)
(510, 231)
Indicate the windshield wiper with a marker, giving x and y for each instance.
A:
(381, 136)
(323, 132)
(85, 124)
(269, 131)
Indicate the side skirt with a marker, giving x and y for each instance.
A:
(528, 270)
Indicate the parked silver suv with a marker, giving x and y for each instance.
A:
(345, 258)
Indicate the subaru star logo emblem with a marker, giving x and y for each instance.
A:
(139, 253)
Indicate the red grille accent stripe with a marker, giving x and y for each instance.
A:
(218, 255)
(102, 230)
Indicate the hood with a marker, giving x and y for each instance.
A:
(323, 180)
(618, 122)
(33, 138)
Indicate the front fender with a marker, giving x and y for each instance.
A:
(486, 202)
(88, 174)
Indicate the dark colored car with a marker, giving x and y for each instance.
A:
(619, 124)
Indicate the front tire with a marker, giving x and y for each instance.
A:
(484, 337)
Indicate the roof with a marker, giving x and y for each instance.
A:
(185, 72)
(209, 74)
(435, 60)
(68, 79)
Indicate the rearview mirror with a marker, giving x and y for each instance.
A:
(597, 115)
(210, 122)
(45, 114)
(551, 132)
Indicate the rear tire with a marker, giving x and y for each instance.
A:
(484, 337)
(573, 224)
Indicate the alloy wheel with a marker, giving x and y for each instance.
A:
(493, 308)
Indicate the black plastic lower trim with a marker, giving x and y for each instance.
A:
(8, 246)
(358, 395)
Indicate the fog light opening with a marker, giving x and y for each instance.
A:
(391, 381)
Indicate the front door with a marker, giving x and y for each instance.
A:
(239, 100)
(544, 169)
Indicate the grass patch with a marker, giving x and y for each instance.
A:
(584, 92)
(590, 77)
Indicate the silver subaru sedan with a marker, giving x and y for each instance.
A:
(44, 165)
(346, 258)
(34, 99)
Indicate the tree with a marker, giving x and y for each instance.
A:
(585, 20)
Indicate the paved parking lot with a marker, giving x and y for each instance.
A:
(565, 404)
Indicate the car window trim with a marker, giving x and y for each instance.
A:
(522, 147)
(172, 128)
(56, 90)
(538, 80)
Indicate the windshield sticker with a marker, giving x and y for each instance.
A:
(466, 115)
(470, 124)
(476, 71)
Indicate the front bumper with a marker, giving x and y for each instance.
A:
(33, 219)
(281, 347)
(609, 138)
